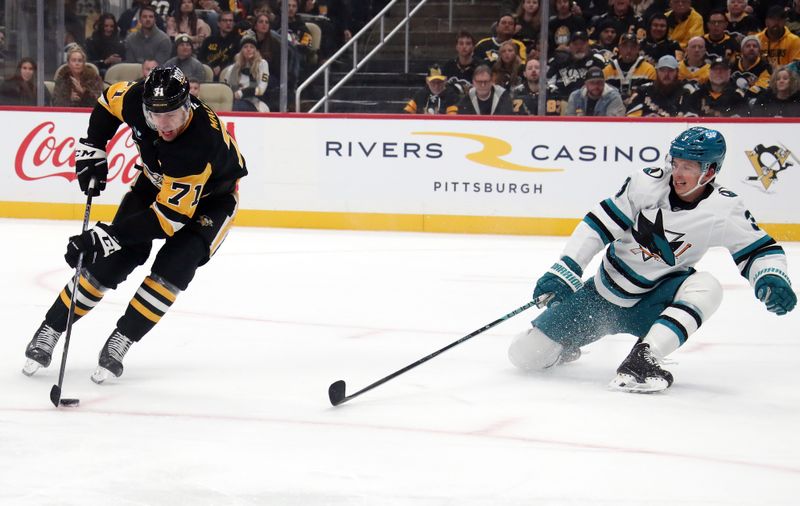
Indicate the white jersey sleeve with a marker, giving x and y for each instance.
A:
(756, 253)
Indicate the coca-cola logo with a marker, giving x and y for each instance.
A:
(43, 153)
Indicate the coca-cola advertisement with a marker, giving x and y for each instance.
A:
(40, 148)
(44, 153)
(452, 174)
(42, 156)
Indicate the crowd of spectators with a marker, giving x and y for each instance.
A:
(665, 58)
(238, 40)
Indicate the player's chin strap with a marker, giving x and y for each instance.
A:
(699, 184)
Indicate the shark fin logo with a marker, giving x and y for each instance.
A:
(656, 242)
(491, 154)
(768, 162)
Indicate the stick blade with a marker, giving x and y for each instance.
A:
(336, 392)
(55, 395)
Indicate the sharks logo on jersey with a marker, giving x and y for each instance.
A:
(657, 243)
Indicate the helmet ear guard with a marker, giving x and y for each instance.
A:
(702, 145)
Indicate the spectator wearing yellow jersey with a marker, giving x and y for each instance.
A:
(778, 45)
(684, 22)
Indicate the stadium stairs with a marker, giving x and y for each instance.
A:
(382, 86)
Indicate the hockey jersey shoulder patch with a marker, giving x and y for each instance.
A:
(113, 98)
(654, 172)
(647, 183)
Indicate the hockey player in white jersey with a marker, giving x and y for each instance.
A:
(654, 231)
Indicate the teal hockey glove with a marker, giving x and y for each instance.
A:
(562, 280)
(776, 294)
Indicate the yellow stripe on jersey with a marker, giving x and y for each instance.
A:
(112, 98)
(225, 227)
(219, 125)
(178, 198)
(168, 226)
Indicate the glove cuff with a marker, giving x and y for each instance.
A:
(569, 272)
(95, 144)
(89, 150)
(770, 271)
(107, 239)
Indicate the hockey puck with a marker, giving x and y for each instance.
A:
(70, 403)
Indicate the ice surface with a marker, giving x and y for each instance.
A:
(225, 402)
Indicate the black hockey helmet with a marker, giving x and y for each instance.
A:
(165, 89)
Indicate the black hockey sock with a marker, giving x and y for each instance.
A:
(90, 292)
(151, 301)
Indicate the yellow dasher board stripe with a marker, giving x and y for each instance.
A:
(507, 225)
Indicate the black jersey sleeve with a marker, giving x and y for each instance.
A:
(107, 113)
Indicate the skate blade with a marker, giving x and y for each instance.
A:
(627, 383)
(101, 374)
(30, 367)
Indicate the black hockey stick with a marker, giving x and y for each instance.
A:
(55, 392)
(336, 392)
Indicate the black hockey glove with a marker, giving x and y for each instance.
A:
(91, 163)
(562, 280)
(776, 294)
(95, 243)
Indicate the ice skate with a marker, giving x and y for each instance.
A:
(640, 372)
(40, 350)
(110, 360)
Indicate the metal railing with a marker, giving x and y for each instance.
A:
(352, 44)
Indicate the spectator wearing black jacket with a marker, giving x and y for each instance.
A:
(129, 20)
(562, 25)
(666, 97)
(719, 97)
(781, 99)
(459, 70)
(105, 47)
(487, 49)
(485, 98)
(566, 71)
(718, 41)
(218, 51)
(20, 89)
(657, 43)
(435, 98)
(621, 16)
(740, 23)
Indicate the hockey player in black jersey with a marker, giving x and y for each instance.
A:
(186, 193)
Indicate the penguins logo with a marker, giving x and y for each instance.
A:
(768, 162)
